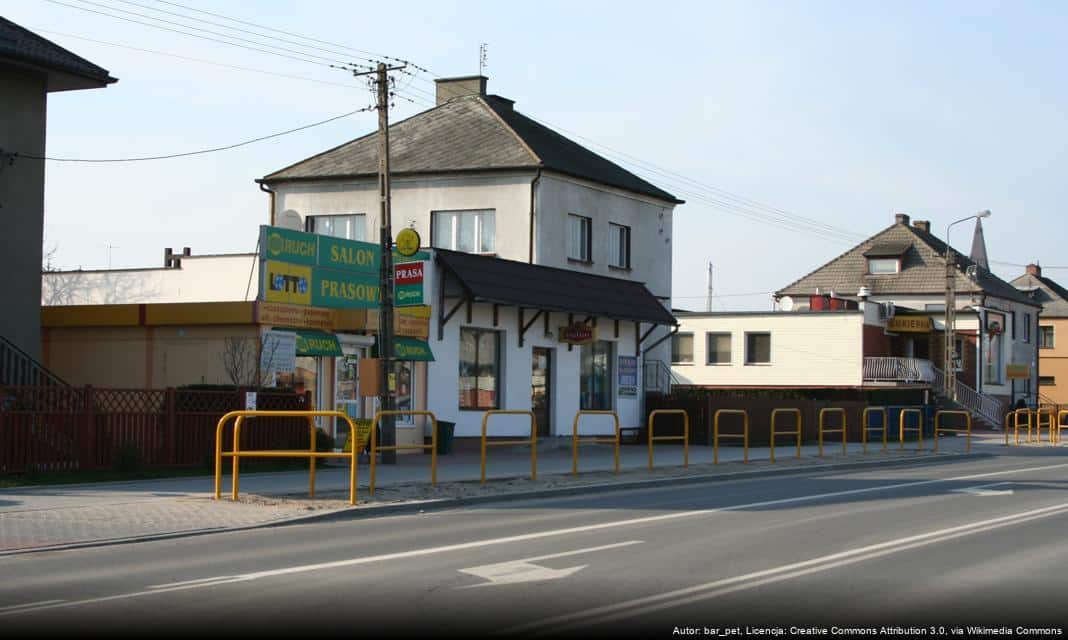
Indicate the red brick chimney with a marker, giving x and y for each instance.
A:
(923, 225)
(1034, 270)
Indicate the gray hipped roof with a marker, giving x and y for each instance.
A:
(923, 271)
(468, 134)
(1052, 296)
(65, 70)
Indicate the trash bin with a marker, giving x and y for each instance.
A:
(445, 432)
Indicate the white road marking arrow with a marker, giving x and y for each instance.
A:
(517, 571)
(985, 490)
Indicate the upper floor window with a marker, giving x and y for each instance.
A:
(579, 241)
(1045, 337)
(682, 348)
(719, 348)
(883, 265)
(349, 226)
(468, 231)
(1026, 327)
(619, 238)
(758, 348)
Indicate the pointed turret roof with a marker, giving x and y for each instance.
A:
(978, 254)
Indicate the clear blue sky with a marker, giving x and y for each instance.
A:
(842, 113)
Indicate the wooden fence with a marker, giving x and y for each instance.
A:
(50, 428)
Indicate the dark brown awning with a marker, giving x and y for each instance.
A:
(531, 286)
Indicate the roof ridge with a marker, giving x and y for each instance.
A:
(515, 134)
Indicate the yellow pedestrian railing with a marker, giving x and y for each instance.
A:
(823, 429)
(433, 446)
(576, 440)
(744, 435)
(902, 428)
(532, 441)
(685, 437)
(967, 430)
(1016, 423)
(775, 432)
(1050, 417)
(1060, 425)
(867, 425)
(239, 417)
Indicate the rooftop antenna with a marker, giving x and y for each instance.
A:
(110, 247)
(708, 295)
(483, 52)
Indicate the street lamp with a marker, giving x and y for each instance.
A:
(950, 352)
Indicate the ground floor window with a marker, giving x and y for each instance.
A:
(480, 368)
(595, 379)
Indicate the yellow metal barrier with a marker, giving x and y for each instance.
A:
(824, 430)
(685, 437)
(867, 426)
(433, 446)
(310, 453)
(902, 428)
(938, 428)
(1016, 425)
(744, 435)
(1048, 412)
(1060, 425)
(575, 440)
(533, 441)
(774, 432)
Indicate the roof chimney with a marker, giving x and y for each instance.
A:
(450, 88)
(1034, 270)
(168, 256)
(901, 218)
(923, 225)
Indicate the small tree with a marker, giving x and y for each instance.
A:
(248, 361)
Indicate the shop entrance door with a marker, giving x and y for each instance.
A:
(346, 393)
(541, 389)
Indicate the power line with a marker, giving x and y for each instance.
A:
(194, 35)
(216, 24)
(215, 33)
(200, 60)
(288, 33)
(202, 151)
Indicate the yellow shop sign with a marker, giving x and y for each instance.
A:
(909, 324)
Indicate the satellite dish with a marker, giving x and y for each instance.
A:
(290, 219)
(787, 303)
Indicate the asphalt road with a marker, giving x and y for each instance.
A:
(977, 542)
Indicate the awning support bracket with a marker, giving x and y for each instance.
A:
(523, 326)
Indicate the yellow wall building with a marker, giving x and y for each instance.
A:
(1052, 333)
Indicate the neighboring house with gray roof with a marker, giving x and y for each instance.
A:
(904, 267)
(1052, 332)
(31, 67)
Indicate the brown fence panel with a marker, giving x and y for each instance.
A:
(701, 408)
(65, 429)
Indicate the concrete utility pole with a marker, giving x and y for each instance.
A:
(950, 353)
(388, 436)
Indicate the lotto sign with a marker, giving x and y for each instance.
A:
(285, 282)
(408, 280)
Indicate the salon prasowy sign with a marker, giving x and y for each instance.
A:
(323, 271)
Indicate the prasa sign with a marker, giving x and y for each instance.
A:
(408, 283)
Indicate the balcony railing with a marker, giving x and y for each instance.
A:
(898, 370)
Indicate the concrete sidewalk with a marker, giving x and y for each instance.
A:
(61, 516)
